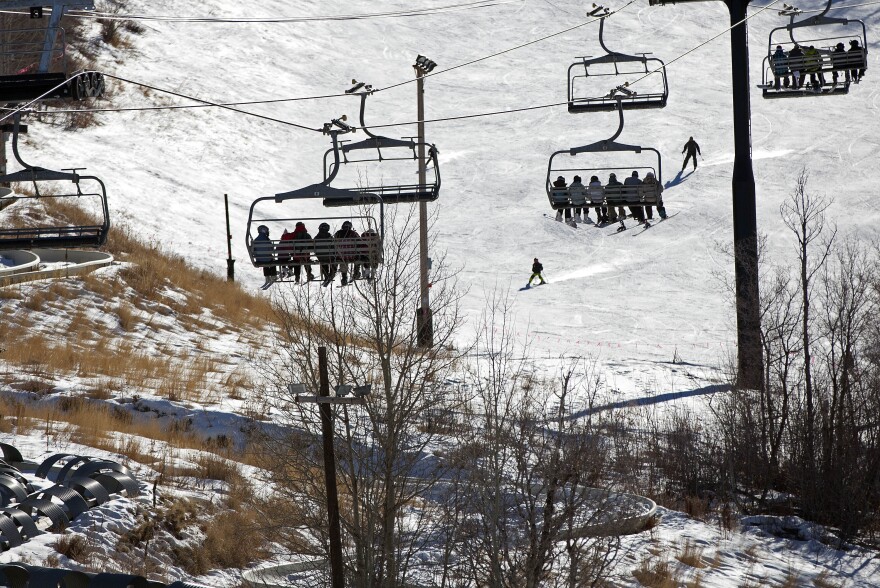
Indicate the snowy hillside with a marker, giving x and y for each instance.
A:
(633, 300)
(624, 297)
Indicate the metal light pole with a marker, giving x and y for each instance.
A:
(424, 319)
(750, 368)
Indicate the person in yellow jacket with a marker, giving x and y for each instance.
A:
(813, 66)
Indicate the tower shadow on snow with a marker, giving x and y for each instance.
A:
(648, 400)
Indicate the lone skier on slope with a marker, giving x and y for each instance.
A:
(537, 268)
(692, 150)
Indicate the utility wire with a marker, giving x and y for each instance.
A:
(276, 20)
(272, 101)
(26, 106)
(555, 104)
(508, 50)
(205, 103)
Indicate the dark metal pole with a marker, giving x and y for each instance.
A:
(424, 320)
(337, 574)
(230, 263)
(745, 225)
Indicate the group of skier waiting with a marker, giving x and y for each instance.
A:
(578, 194)
(345, 251)
(802, 61)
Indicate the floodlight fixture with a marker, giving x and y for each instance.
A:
(343, 390)
(361, 391)
(296, 389)
(424, 64)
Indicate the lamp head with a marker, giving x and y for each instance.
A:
(361, 391)
(425, 64)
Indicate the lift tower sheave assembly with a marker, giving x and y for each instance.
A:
(745, 225)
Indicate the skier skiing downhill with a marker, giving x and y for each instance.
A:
(692, 149)
(537, 268)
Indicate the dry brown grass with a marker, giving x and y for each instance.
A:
(232, 540)
(75, 547)
(791, 580)
(655, 573)
(823, 581)
(691, 555)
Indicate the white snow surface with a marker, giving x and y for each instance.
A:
(633, 301)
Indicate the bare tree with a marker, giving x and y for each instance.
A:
(525, 470)
(383, 466)
(804, 214)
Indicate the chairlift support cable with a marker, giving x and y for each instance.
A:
(207, 104)
(430, 11)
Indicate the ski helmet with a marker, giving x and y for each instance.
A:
(263, 230)
(323, 227)
(346, 225)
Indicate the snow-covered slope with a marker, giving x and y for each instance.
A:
(619, 296)
(634, 301)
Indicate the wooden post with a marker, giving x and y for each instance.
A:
(230, 263)
(337, 573)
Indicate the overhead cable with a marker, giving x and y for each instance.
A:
(508, 50)
(280, 19)
(555, 104)
(202, 102)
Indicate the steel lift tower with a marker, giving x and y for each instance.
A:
(745, 227)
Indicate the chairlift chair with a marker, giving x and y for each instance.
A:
(288, 254)
(377, 149)
(43, 183)
(590, 75)
(281, 253)
(624, 195)
(34, 60)
(827, 64)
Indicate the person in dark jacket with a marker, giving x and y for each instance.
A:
(839, 63)
(560, 184)
(302, 251)
(856, 60)
(371, 252)
(796, 65)
(692, 149)
(264, 252)
(537, 268)
(347, 240)
(780, 67)
(637, 212)
(325, 251)
(612, 192)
